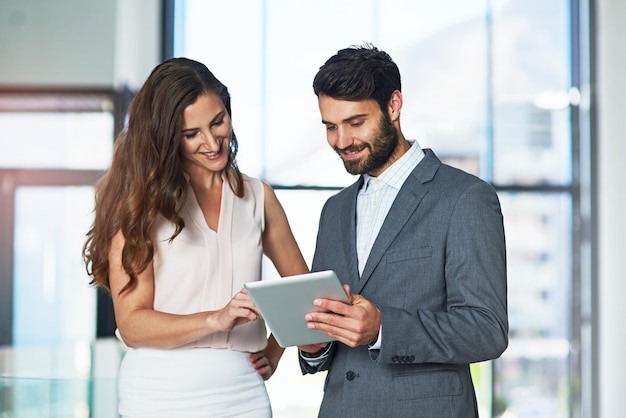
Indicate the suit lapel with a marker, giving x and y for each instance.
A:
(404, 206)
(348, 215)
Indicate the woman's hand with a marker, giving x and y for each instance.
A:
(262, 364)
(239, 310)
(265, 362)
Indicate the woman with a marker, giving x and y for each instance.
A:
(178, 230)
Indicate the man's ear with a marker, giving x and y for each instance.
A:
(395, 105)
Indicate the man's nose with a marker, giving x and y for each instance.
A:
(344, 139)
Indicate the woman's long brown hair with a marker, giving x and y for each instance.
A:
(146, 177)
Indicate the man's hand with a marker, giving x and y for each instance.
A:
(354, 325)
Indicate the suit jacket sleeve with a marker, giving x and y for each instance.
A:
(307, 367)
(471, 324)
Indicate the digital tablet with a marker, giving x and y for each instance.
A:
(283, 302)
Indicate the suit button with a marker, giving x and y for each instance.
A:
(350, 375)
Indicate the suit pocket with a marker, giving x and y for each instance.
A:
(427, 384)
(407, 254)
(401, 276)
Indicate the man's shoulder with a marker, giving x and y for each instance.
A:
(458, 174)
(446, 171)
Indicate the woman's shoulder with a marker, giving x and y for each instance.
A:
(253, 186)
(246, 178)
(260, 190)
(251, 182)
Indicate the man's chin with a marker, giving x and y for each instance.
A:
(353, 167)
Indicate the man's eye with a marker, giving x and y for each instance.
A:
(330, 127)
(356, 124)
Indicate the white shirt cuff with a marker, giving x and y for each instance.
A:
(379, 340)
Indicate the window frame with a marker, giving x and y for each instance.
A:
(52, 100)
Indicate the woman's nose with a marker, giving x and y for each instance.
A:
(211, 138)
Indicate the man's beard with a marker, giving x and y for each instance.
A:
(381, 149)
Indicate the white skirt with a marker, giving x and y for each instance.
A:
(195, 382)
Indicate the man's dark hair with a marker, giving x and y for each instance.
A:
(358, 73)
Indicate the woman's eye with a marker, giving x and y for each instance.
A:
(190, 135)
(218, 122)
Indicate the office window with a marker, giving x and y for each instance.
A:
(489, 85)
(532, 376)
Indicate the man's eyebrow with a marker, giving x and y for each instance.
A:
(347, 120)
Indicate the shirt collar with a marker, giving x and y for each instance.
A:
(397, 173)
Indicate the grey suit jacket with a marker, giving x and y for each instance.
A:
(437, 271)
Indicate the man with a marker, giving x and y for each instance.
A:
(420, 248)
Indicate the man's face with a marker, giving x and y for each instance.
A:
(360, 133)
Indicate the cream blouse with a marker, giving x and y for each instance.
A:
(201, 269)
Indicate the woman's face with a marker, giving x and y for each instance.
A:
(206, 135)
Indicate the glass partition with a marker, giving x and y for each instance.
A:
(77, 380)
(52, 300)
